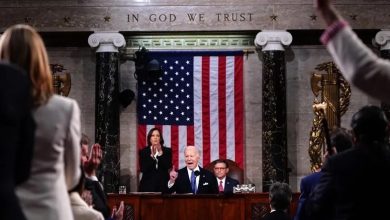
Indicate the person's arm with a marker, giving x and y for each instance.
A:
(173, 175)
(356, 61)
(72, 147)
(146, 162)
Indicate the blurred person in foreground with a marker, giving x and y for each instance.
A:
(55, 163)
(17, 129)
(354, 181)
(357, 62)
(340, 140)
(81, 210)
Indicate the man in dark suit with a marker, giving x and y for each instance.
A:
(17, 129)
(192, 178)
(90, 160)
(355, 181)
(340, 140)
(225, 183)
(280, 195)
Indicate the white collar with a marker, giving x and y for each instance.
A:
(196, 169)
(223, 180)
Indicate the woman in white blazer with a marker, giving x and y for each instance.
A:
(56, 156)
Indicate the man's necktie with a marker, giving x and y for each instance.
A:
(193, 182)
(220, 187)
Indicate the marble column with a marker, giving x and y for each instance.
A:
(274, 136)
(382, 38)
(107, 104)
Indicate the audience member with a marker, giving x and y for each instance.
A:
(81, 210)
(155, 162)
(342, 191)
(17, 138)
(280, 196)
(55, 163)
(225, 183)
(356, 61)
(192, 178)
(91, 160)
(341, 140)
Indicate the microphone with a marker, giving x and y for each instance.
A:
(197, 173)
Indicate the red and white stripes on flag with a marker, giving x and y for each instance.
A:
(216, 121)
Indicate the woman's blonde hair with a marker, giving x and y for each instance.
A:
(22, 45)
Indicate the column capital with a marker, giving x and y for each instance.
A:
(106, 41)
(273, 40)
(382, 38)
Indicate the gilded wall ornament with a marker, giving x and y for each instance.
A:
(61, 80)
(333, 92)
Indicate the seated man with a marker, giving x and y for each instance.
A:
(192, 178)
(90, 162)
(225, 183)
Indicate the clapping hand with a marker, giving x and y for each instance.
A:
(94, 160)
(117, 214)
(156, 149)
(87, 197)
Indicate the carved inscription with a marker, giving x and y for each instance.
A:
(191, 17)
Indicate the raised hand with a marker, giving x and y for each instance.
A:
(172, 175)
(96, 155)
(94, 160)
(327, 11)
(321, 4)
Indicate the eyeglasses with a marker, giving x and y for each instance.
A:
(219, 168)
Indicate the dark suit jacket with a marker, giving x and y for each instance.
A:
(277, 215)
(229, 184)
(17, 129)
(99, 197)
(154, 180)
(307, 185)
(207, 183)
(353, 185)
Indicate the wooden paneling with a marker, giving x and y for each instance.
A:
(191, 207)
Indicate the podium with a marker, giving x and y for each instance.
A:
(145, 206)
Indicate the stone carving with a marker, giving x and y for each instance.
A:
(273, 40)
(107, 41)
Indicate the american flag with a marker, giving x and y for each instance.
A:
(198, 101)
